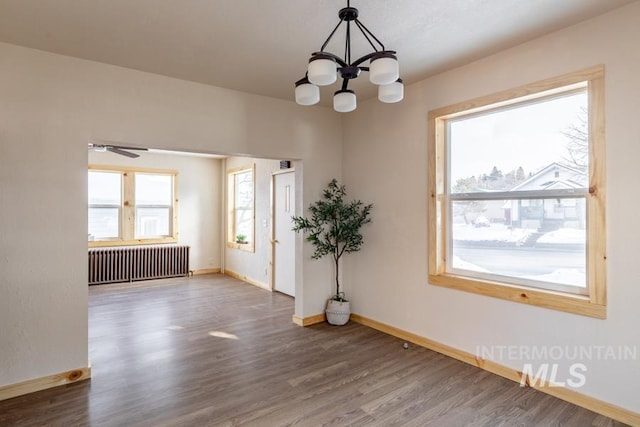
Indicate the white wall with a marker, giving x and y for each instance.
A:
(50, 107)
(255, 265)
(385, 161)
(199, 194)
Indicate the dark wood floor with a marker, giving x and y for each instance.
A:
(211, 350)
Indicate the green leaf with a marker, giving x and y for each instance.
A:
(333, 226)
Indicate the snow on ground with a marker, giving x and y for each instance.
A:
(502, 233)
(464, 265)
(564, 235)
(565, 276)
(495, 233)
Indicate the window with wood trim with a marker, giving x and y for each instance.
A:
(517, 197)
(241, 208)
(131, 206)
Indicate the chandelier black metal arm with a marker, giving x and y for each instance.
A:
(359, 61)
(349, 14)
(366, 31)
(345, 83)
(330, 55)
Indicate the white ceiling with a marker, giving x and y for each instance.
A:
(262, 46)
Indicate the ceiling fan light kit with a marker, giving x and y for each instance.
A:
(324, 68)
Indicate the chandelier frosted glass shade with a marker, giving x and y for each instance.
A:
(322, 70)
(344, 101)
(391, 93)
(307, 93)
(384, 69)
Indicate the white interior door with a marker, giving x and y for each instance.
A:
(283, 236)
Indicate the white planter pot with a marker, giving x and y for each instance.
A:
(338, 312)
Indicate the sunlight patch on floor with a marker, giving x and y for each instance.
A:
(220, 334)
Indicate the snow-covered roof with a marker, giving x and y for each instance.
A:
(536, 181)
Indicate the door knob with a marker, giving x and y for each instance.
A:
(275, 241)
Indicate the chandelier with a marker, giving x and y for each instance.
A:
(324, 67)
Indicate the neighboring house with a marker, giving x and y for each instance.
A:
(479, 212)
(493, 211)
(548, 214)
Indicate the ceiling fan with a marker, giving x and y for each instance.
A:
(117, 149)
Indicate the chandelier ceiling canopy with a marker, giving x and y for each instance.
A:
(324, 68)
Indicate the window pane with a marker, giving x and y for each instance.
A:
(153, 189)
(507, 149)
(244, 223)
(152, 222)
(105, 188)
(104, 223)
(244, 190)
(540, 240)
(243, 205)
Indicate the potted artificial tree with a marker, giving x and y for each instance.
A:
(333, 228)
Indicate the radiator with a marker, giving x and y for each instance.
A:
(111, 265)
